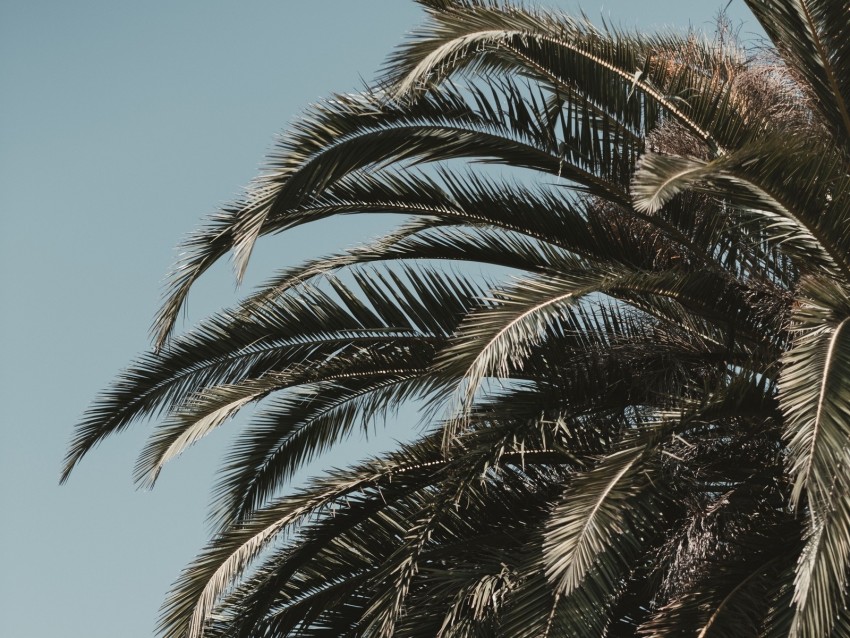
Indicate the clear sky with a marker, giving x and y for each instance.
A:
(122, 124)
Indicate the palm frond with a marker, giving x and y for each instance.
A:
(634, 78)
(293, 430)
(202, 584)
(801, 192)
(354, 132)
(234, 346)
(604, 509)
(816, 406)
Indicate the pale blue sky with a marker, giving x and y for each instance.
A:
(122, 124)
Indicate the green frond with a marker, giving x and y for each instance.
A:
(197, 417)
(603, 510)
(202, 584)
(236, 346)
(355, 132)
(801, 192)
(294, 429)
(495, 339)
(816, 405)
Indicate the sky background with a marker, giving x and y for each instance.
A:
(123, 124)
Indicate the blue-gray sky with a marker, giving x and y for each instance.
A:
(122, 124)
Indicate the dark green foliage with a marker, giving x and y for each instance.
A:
(644, 430)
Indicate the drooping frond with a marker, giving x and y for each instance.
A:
(595, 510)
(355, 132)
(235, 347)
(815, 400)
(213, 573)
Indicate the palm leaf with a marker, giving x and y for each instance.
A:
(801, 193)
(599, 511)
(196, 593)
(237, 345)
(354, 132)
(817, 433)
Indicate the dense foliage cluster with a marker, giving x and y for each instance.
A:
(638, 417)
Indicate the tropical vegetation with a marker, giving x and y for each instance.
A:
(620, 299)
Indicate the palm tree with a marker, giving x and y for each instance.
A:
(637, 423)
